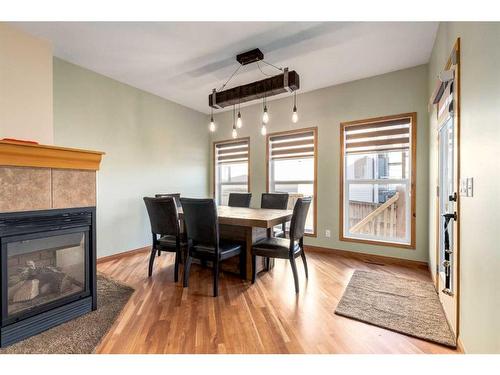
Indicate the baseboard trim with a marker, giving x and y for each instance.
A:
(123, 254)
(366, 257)
(460, 345)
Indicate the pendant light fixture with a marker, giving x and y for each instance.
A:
(239, 122)
(234, 133)
(265, 115)
(211, 127)
(295, 115)
(273, 84)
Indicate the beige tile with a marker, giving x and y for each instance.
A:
(24, 189)
(73, 188)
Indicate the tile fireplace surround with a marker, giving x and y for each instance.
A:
(47, 236)
(36, 177)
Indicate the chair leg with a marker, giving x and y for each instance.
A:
(216, 278)
(268, 264)
(304, 260)
(254, 268)
(176, 266)
(295, 276)
(151, 261)
(159, 252)
(187, 268)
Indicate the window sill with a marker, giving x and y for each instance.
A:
(410, 246)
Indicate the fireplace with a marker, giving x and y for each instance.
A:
(48, 273)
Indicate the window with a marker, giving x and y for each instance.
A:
(231, 169)
(377, 200)
(291, 168)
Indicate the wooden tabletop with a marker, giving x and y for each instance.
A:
(250, 217)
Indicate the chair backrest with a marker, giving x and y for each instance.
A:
(277, 201)
(200, 220)
(176, 196)
(163, 215)
(298, 223)
(239, 199)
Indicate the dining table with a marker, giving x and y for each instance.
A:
(247, 226)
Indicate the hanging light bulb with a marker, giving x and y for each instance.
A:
(263, 130)
(234, 133)
(265, 115)
(295, 115)
(211, 127)
(239, 122)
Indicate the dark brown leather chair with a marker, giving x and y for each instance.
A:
(165, 229)
(176, 196)
(239, 199)
(202, 228)
(286, 248)
(276, 201)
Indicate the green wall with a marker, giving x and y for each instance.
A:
(152, 145)
(393, 93)
(479, 326)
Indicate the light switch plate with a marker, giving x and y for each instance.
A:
(470, 185)
(327, 233)
(466, 186)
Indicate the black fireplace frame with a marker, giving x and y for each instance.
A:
(31, 224)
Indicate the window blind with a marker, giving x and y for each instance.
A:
(231, 152)
(392, 135)
(296, 145)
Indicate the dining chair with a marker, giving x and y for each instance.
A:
(165, 229)
(202, 228)
(275, 247)
(276, 201)
(176, 196)
(239, 199)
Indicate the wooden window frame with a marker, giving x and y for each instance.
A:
(315, 181)
(214, 161)
(413, 180)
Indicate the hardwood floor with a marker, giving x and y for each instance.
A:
(267, 317)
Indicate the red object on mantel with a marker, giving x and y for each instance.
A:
(20, 141)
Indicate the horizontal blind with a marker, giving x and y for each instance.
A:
(231, 152)
(391, 135)
(289, 146)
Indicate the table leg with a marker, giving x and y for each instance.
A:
(246, 236)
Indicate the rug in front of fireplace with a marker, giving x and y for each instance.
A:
(82, 335)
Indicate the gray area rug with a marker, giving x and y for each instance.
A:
(403, 305)
(81, 335)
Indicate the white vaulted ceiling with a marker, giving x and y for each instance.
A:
(184, 61)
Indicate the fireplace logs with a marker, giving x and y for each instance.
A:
(32, 281)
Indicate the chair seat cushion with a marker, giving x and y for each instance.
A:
(226, 250)
(168, 242)
(274, 247)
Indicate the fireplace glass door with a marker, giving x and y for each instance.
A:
(45, 269)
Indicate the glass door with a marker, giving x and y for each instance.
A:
(43, 270)
(447, 210)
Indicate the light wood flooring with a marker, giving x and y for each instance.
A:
(267, 317)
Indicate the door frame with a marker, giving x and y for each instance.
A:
(456, 118)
